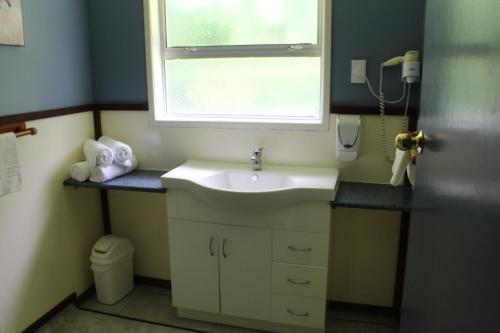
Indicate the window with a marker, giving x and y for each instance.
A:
(239, 63)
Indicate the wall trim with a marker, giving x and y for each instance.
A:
(337, 109)
(51, 314)
(88, 293)
(43, 114)
(370, 110)
(365, 309)
(36, 115)
(73, 298)
(153, 282)
(122, 107)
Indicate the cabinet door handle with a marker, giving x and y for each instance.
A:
(306, 249)
(211, 246)
(224, 248)
(303, 283)
(293, 313)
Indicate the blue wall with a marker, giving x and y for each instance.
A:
(118, 51)
(375, 30)
(362, 29)
(53, 70)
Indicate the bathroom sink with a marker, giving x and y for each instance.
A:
(247, 181)
(237, 187)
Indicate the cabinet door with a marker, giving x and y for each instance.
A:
(194, 265)
(245, 272)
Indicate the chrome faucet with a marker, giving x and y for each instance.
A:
(257, 159)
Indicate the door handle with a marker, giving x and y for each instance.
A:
(411, 141)
(211, 246)
(224, 248)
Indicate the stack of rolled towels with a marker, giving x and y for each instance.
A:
(106, 159)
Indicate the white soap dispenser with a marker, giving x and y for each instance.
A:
(348, 137)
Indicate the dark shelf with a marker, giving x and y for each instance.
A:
(353, 195)
(138, 180)
(373, 196)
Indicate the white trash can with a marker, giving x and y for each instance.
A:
(112, 264)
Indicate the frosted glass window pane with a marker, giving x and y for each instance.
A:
(241, 22)
(246, 87)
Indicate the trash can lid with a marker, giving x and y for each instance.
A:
(110, 248)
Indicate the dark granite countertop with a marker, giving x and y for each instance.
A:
(137, 180)
(373, 196)
(354, 195)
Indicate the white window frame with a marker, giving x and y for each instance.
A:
(157, 52)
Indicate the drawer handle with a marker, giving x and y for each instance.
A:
(211, 246)
(303, 283)
(296, 314)
(293, 248)
(224, 254)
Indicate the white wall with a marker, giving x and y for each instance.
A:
(167, 147)
(46, 230)
(364, 256)
(363, 260)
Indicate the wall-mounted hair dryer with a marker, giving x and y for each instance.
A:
(411, 66)
(410, 74)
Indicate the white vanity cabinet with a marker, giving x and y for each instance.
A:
(250, 248)
(265, 270)
(194, 265)
(221, 269)
(245, 273)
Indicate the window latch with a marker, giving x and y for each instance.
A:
(295, 47)
(189, 50)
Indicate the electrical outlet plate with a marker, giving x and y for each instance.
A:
(358, 71)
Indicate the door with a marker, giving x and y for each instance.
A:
(453, 265)
(245, 272)
(194, 265)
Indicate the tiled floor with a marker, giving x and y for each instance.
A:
(73, 320)
(154, 305)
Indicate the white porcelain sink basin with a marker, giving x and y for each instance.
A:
(247, 181)
(236, 186)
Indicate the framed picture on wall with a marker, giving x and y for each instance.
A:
(11, 23)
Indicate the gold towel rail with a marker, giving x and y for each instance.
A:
(19, 129)
(28, 131)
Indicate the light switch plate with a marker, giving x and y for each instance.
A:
(358, 71)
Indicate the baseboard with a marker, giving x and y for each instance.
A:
(80, 299)
(71, 299)
(254, 324)
(376, 310)
(332, 305)
(152, 282)
(51, 314)
(364, 309)
(137, 280)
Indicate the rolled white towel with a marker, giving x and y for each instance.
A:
(102, 174)
(411, 172)
(401, 161)
(80, 171)
(97, 154)
(122, 152)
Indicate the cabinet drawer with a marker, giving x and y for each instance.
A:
(299, 280)
(301, 311)
(300, 248)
